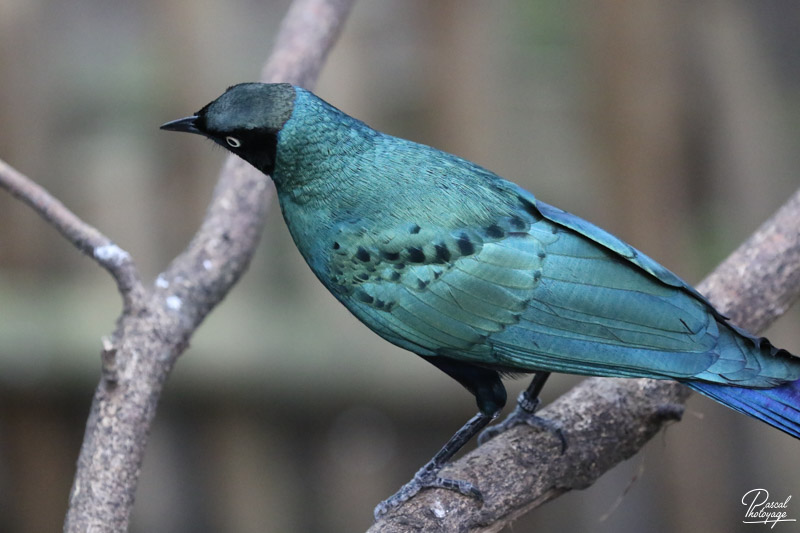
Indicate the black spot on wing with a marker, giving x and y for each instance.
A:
(362, 254)
(414, 229)
(390, 256)
(465, 245)
(495, 232)
(442, 253)
(416, 255)
(518, 223)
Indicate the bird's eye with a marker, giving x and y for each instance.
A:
(233, 142)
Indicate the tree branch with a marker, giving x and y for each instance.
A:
(605, 420)
(157, 322)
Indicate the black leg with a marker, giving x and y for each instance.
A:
(490, 394)
(427, 477)
(529, 398)
(524, 413)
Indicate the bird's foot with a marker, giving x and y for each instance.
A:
(426, 478)
(524, 413)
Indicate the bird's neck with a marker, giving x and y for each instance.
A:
(316, 150)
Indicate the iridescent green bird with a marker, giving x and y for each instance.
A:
(471, 272)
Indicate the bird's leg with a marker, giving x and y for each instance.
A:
(427, 477)
(524, 413)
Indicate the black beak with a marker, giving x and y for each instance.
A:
(187, 124)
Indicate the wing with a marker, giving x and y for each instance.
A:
(539, 290)
(423, 289)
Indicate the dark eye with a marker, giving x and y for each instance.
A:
(233, 142)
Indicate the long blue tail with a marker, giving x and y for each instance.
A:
(778, 407)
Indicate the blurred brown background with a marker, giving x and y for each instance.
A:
(673, 124)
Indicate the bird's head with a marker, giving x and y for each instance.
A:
(245, 120)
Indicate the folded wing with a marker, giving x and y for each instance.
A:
(548, 291)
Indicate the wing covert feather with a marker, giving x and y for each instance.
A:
(532, 294)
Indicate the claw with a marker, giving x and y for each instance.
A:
(524, 414)
(426, 479)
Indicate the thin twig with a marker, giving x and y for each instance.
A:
(605, 420)
(83, 236)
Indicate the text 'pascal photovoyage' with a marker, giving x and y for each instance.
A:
(762, 510)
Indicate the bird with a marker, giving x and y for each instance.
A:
(477, 276)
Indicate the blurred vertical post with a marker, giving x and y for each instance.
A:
(636, 57)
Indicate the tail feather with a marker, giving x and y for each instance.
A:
(778, 407)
